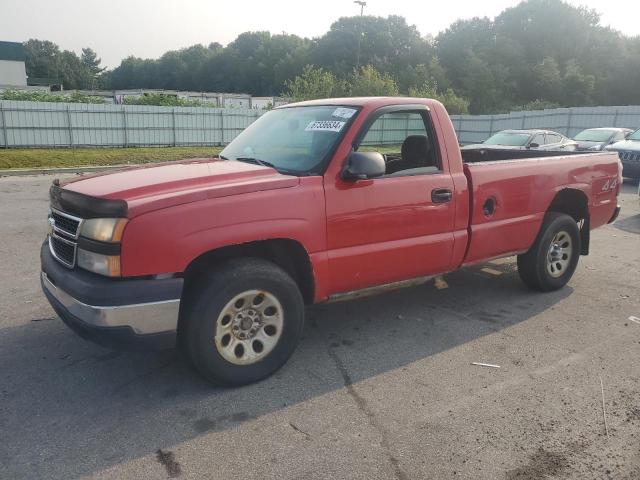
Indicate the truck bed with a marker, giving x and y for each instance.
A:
(521, 190)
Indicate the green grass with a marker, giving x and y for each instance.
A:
(82, 157)
(384, 149)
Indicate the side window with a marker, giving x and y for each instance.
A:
(405, 142)
(553, 138)
(539, 139)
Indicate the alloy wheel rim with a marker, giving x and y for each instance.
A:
(559, 254)
(249, 327)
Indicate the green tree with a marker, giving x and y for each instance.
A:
(454, 104)
(44, 59)
(577, 86)
(257, 63)
(312, 83)
(539, 52)
(369, 82)
(417, 75)
(389, 44)
(91, 63)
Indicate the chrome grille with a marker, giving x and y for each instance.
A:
(630, 157)
(63, 250)
(65, 223)
(65, 230)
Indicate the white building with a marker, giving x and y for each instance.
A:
(12, 69)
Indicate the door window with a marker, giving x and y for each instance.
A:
(405, 141)
(553, 138)
(538, 139)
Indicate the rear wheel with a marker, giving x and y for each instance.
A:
(244, 321)
(552, 260)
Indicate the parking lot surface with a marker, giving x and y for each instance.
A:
(382, 387)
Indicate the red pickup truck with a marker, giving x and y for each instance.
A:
(315, 201)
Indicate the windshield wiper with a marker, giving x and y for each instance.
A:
(264, 163)
(223, 157)
(257, 161)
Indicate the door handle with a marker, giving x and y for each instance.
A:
(441, 195)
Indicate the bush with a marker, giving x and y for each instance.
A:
(162, 100)
(40, 96)
(535, 105)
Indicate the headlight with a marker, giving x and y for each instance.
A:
(107, 265)
(104, 229)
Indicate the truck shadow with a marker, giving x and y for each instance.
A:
(69, 406)
(624, 223)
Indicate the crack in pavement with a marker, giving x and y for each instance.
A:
(167, 459)
(361, 403)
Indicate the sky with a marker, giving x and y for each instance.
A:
(148, 28)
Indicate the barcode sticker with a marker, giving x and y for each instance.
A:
(325, 126)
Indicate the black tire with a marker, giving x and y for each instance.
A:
(533, 265)
(212, 292)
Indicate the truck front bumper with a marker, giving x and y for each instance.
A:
(124, 314)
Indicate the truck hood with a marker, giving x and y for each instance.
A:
(151, 187)
(625, 146)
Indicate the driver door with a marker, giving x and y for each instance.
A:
(398, 226)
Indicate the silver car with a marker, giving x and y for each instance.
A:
(526, 140)
(596, 139)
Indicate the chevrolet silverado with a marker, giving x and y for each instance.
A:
(315, 201)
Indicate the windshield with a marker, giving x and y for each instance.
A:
(509, 139)
(594, 135)
(292, 140)
(635, 135)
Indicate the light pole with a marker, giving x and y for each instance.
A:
(362, 5)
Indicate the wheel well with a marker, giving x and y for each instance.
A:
(288, 254)
(575, 204)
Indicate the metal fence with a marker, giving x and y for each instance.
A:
(42, 124)
(39, 124)
(568, 121)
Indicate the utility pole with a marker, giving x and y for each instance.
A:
(362, 5)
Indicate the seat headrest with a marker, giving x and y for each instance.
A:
(416, 147)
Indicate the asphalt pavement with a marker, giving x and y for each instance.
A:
(382, 387)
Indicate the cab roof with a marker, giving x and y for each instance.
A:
(361, 102)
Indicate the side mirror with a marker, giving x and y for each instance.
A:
(534, 145)
(363, 165)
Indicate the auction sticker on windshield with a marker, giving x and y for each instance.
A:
(343, 112)
(325, 126)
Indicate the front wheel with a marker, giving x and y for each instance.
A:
(244, 321)
(551, 261)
